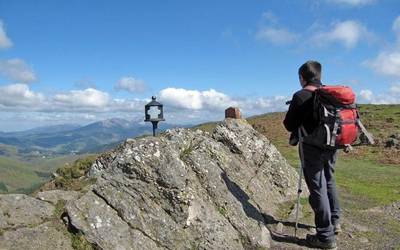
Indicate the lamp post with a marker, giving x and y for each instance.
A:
(154, 113)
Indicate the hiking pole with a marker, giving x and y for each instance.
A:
(300, 177)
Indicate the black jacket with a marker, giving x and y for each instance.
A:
(301, 112)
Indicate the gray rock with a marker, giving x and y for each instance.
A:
(279, 228)
(44, 236)
(19, 210)
(103, 227)
(53, 196)
(186, 190)
(354, 227)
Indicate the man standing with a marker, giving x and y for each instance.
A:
(318, 163)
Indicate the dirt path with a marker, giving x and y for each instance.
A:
(374, 228)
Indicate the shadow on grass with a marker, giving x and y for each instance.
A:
(268, 220)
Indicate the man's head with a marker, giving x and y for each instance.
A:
(310, 73)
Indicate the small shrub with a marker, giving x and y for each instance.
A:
(59, 209)
(73, 176)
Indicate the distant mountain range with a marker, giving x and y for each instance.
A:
(75, 139)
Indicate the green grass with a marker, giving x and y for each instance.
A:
(21, 176)
(59, 209)
(186, 151)
(8, 150)
(376, 117)
(369, 183)
(72, 176)
(51, 164)
(16, 175)
(79, 242)
(208, 127)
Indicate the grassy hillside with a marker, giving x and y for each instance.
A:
(21, 176)
(15, 174)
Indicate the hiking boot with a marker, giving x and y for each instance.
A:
(337, 228)
(313, 241)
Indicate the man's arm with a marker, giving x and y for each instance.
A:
(294, 116)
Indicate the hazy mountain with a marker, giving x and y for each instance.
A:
(74, 139)
(41, 130)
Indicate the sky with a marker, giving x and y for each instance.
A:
(83, 61)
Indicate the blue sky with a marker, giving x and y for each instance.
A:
(82, 61)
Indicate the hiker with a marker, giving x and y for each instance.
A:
(319, 163)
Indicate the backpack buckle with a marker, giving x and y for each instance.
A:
(347, 148)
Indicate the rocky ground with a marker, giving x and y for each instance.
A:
(34, 222)
(376, 228)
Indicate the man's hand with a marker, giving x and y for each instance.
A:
(294, 139)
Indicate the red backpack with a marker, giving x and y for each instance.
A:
(339, 124)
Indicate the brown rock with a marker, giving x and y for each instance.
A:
(232, 112)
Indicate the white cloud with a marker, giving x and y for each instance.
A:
(122, 105)
(389, 97)
(19, 98)
(17, 70)
(263, 104)
(353, 2)
(348, 33)
(83, 98)
(5, 42)
(194, 106)
(276, 35)
(194, 99)
(366, 94)
(210, 104)
(386, 63)
(130, 84)
(19, 95)
(181, 106)
(271, 31)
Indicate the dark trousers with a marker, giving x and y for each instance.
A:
(318, 173)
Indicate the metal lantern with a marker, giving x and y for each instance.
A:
(154, 113)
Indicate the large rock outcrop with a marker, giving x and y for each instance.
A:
(184, 189)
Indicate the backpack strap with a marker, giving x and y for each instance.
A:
(335, 129)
